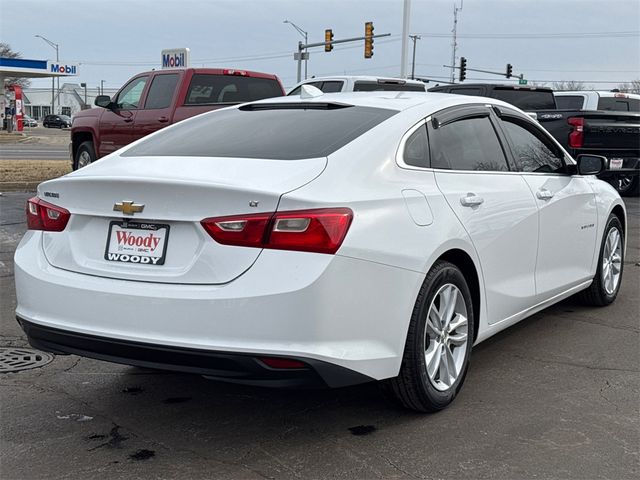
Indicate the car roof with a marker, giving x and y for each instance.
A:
(361, 78)
(390, 100)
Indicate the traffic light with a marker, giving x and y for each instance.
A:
(509, 70)
(328, 37)
(368, 40)
(463, 69)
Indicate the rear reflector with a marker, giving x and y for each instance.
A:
(320, 230)
(576, 136)
(42, 215)
(282, 363)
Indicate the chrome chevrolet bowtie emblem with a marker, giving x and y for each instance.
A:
(127, 207)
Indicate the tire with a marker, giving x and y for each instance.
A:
(628, 185)
(600, 293)
(415, 388)
(85, 154)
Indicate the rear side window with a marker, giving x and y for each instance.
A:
(570, 102)
(532, 154)
(618, 104)
(467, 144)
(161, 92)
(416, 148)
(468, 91)
(363, 86)
(526, 99)
(283, 132)
(210, 89)
(330, 86)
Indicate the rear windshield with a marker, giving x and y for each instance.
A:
(569, 102)
(526, 99)
(282, 133)
(364, 86)
(208, 89)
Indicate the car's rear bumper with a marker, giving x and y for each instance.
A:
(342, 311)
(233, 367)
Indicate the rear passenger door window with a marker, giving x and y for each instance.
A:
(161, 92)
(467, 144)
(531, 150)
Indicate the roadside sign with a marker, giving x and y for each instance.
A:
(522, 81)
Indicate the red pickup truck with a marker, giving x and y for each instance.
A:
(152, 100)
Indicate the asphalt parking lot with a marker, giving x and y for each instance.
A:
(556, 396)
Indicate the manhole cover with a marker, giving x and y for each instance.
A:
(15, 359)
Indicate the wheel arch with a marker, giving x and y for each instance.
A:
(465, 263)
(77, 138)
(618, 211)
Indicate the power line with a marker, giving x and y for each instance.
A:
(494, 36)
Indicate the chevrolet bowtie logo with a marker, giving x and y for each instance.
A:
(127, 207)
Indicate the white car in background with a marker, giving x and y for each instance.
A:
(594, 100)
(350, 83)
(323, 239)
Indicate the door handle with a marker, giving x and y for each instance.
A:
(544, 194)
(128, 120)
(471, 200)
(163, 119)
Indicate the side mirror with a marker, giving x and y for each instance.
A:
(591, 164)
(103, 101)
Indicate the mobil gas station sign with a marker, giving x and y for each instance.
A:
(175, 58)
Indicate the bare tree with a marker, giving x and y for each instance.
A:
(630, 87)
(7, 52)
(570, 85)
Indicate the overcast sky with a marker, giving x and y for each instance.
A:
(114, 39)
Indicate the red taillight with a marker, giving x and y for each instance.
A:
(282, 363)
(576, 136)
(320, 230)
(42, 215)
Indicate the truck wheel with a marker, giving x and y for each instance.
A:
(84, 155)
(628, 185)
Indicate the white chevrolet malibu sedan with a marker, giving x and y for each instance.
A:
(325, 239)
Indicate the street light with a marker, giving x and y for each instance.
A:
(53, 102)
(304, 34)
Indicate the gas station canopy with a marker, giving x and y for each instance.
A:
(27, 68)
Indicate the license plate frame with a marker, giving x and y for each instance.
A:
(616, 163)
(129, 252)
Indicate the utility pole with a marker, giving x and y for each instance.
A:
(406, 14)
(413, 62)
(454, 44)
(306, 54)
(53, 101)
(101, 87)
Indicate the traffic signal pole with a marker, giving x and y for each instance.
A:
(301, 54)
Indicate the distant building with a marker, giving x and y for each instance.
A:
(69, 100)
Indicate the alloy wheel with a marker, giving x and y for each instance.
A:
(612, 261)
(446, 337)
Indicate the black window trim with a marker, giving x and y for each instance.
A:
(506, 114)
